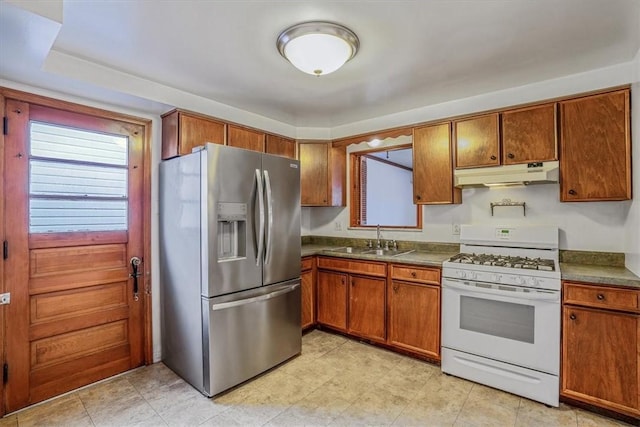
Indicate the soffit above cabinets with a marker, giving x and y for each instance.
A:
(412, 54)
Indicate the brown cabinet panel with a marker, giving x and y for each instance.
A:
(600, 358)
(306, 263)
(322, 174)
(415, 274)
(367, 307)
(595, 160)
(245, 138)
(183, 131)
(353, 266)
(529, 135)
(332, 299)
(601, 297)
(280, 146)
(477, 141)
(433, 166)
(414, 317)
(308, 300)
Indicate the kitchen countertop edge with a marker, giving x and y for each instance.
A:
(592, 274)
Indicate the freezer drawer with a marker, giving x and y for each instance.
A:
(249, 333)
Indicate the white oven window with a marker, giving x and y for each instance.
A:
(498, 318)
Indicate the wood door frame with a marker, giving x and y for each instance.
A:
(146, 327)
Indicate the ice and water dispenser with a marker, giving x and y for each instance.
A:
(232, 231)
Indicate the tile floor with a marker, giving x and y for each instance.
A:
(335, 381)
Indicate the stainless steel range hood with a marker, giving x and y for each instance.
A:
(531, 173)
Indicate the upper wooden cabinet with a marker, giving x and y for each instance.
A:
(477, 141)
(322, 174)
(182, 131)
(529, 134)
(433, 166)
(248, 139)
(280, 146)
(595, 156)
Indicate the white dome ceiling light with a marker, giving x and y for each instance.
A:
(317, 47)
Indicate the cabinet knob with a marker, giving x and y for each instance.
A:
(418, 197)
(395, 288)
(342, 281)
(493, 157)
(510, 155)
(413, 274)
(600, 297)
(572, 192)
(572, 316)
(324, 201)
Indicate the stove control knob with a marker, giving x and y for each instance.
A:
(518, 280)
(532, 281)
(461, 274)
(496, 278)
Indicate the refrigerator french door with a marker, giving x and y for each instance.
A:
(230, 265)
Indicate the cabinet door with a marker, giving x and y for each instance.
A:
(433, 166)
(367, 307)
(600, 357)
(280, 146)
(477, 142)
(182, 132)
(314, 174)
(308, 300)
(529, 135)
(414, 317)
(332, 299)
(245, 138)
(595, 161)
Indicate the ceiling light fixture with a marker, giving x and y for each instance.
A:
(318, 47)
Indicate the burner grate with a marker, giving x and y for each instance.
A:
(505, 261)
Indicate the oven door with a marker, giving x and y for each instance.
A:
(505, 323)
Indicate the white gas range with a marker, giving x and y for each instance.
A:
(501, 310)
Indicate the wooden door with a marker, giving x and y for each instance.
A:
(600, 358)
(245, 138)
(477, 141)
(433, 166)
(332, 299)
(367, 307)
(74, 220)
(280, 146)
(314, 174)
(595, 161)
(414, 317)
(529, 135)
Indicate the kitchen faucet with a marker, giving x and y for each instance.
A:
(378, 243)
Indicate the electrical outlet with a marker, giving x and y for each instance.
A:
(455, 229)
(337, 225)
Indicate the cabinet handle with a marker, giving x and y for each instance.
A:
(342, 281)
(572, 192)
(572, 316)
(417, 197)
(413, 274)
(493, 157)
(510, 155)
(600, 297)
(395, 288)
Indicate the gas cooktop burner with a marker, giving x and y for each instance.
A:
(505, 261)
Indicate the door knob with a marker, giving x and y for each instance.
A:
(135, 263)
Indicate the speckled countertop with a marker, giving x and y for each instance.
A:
(596, 274)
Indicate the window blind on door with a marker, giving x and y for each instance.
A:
(78, 180)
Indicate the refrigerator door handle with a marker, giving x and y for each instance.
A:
(267, 182)
(260, 193)
(245, 301)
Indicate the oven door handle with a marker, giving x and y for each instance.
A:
(530, 296)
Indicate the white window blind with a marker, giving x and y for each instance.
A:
(77, 180)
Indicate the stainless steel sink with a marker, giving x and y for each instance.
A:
(349, 250)
(388, 252)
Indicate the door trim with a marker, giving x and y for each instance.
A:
(7, 93)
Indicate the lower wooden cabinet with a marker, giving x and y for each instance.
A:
(601, 347)
(367, 307)
(414, 309)
(332, 299)
(308, 292)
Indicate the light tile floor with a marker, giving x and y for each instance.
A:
(335, 381)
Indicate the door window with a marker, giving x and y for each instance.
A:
(77, 180)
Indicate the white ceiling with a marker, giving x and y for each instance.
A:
(412, 54)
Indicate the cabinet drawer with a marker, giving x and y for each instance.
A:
(415, 274)
(353, 266)
(600, 296)
(306, 264)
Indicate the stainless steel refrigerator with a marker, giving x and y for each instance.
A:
(229, 265)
